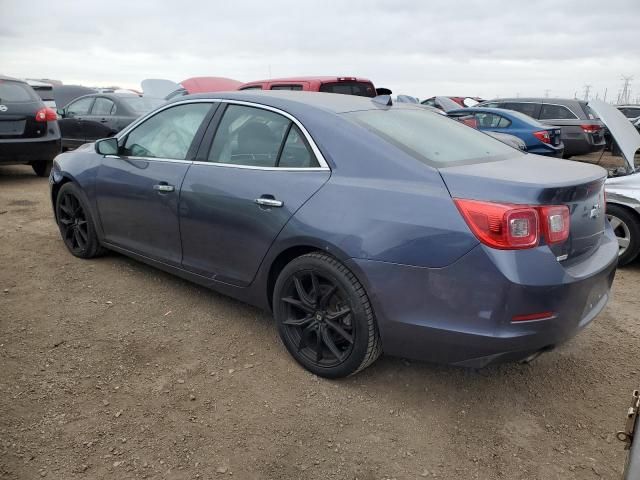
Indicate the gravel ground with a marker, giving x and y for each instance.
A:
(112, 369)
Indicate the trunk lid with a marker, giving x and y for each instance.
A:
(535, 180)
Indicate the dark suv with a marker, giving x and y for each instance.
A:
(582, 130)
(29, 132)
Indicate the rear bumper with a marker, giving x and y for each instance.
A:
(461, 314)
(27, 150)
(547, 151)
(582, 145)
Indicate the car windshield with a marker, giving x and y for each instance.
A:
(432, 138)
(142, 104)
(16, 92)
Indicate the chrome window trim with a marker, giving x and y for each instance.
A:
(324, 166)
(150, 159)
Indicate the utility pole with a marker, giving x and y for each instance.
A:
(604, 99)
(625, 94)
(587, 89)
(546, 92)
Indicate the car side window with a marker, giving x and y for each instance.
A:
(252, 87)
(491, 120)
(555, 112)
(296, 153)
(248, 136)
(168, 134)
(522, 107)
(103, 106)
(79, 107)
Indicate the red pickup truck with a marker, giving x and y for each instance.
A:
(344, 85)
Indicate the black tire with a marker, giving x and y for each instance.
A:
(42, 168)
(626, 226)
(320, 306)
(76, 224)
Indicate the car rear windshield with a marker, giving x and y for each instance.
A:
(432, 138)
(362, 89)
(142, 104)
(16, 92)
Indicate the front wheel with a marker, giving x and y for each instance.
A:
(627, 229)
(324, 317)
(42, 168)
(75, 223)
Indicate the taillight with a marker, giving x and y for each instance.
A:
(591, 127)
(506, 227)
(513, 227)
(543, 136)
(555, 223)
(46, 114)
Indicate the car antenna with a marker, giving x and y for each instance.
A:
(383, 100)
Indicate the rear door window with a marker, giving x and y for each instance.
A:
(362, 89)
(249, 136)
(103, 106)
(528, 108)
(16, 92)
(168, 134)
(556, 112)
(79, 107)
(492, 120)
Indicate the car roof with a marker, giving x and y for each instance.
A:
(299, 100)
(5, 77)
(536, 99)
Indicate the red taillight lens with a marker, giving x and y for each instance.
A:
(46, 114)
(506, 227)
(591, 127)
(512, 227)
(543, 136)
(532, 316)
(555, 223)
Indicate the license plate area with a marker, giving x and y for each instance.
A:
(12, 127)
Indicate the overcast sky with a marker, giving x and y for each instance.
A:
(422, 48)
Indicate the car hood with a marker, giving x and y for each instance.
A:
(626, 185)
(158, 87)
(622, 130)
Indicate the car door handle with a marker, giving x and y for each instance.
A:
(164, 188)
(268, 202)
(103, 120)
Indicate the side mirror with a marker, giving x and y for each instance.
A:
(60, 112)
(107, 146)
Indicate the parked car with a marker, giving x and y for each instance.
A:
(582, 130)
(363, 227)
(204, 85)
(345, 85)
(29, 132)
(100, 115)
(436, 102)
(623, 185)
(65, 94)
(539, 139)
(44, 91)
(632, 112)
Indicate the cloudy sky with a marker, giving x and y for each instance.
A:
(422, 48)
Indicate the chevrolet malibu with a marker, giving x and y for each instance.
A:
(364, 227)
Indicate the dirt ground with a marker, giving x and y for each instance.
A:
(112, 369)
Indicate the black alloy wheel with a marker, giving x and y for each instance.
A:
(76, 226)
(324, 317)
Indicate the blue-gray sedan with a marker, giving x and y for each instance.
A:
(364, 227)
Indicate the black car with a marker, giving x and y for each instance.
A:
(100, 115)
(29, 132)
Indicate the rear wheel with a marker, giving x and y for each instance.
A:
(324, 317)
(42, 168)
(75, 223)
(626, 227)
